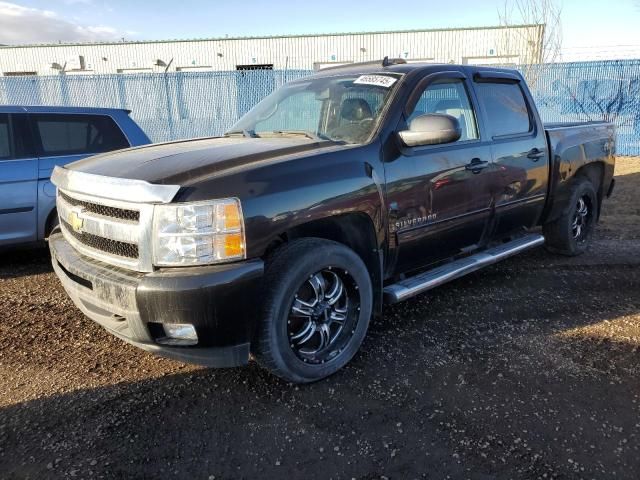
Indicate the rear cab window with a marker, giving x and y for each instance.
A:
(62, 134)
(505, 107)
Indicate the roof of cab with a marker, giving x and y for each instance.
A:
(59, 109)
(397, 66)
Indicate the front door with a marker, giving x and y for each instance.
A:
(18, 185)
(439, 197)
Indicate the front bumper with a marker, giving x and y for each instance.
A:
(133, 306)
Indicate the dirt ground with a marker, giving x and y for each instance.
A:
(528, 369)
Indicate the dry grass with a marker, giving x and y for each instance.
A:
(612, 344)
(621, 213)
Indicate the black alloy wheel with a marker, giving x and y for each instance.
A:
(317, 304)
(323, 315)
(582, 219)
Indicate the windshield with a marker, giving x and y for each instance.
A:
(344, 109)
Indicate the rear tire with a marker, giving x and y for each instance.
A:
(316, 310)
(571, 233)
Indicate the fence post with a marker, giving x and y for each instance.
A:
(169, 102)
(122, 89)
(64, 90)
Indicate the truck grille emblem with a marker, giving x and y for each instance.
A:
(75, 221)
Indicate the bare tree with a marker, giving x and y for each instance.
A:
(547, 45)
(606, 97)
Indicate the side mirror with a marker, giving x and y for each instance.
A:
(431, 129)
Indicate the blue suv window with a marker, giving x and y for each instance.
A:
(22, 138)
(5, 137)
(76, 134)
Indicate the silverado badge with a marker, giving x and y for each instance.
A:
(75, 221)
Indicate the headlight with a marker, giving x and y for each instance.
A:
(198, 233)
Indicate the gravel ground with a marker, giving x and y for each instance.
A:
(528, 369)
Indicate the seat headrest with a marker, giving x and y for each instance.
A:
(355, 109)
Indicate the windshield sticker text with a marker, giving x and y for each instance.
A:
(377, 80)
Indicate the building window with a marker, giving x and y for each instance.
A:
(263, 66)
(19, 74)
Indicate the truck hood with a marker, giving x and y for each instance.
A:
(185, 162)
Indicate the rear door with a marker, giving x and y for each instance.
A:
(440, 195)
(18, 181)
(519, 151)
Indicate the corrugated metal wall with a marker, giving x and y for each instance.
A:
(517, 44)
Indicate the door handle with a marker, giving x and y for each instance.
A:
(535, 154)
(476, 165)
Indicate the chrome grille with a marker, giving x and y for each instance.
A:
(107, 230)
(114, 247)
(109, 219)
(104, 210)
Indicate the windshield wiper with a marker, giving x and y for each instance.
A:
(313, 136)
(244, 133)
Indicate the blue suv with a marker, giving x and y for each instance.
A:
(33, 140)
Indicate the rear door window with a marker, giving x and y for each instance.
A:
(76, 134)
(506, 108)
(5, 137)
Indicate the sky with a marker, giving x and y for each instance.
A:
(594, 28)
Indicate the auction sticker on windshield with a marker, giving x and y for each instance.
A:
(377, 80)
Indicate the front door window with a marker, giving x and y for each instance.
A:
(449, 97)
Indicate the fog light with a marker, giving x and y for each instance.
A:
(179, 334)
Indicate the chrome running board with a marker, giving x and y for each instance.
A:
(434, 278)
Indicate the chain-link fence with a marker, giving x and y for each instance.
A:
(585, 91)
(167, 106)
(194, 104)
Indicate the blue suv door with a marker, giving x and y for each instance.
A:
(18, 181)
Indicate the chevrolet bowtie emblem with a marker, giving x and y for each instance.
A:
(75, 221)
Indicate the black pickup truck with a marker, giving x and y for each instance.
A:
(357, 186)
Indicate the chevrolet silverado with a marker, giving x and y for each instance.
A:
(358, 186)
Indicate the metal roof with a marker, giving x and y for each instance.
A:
(268, 37)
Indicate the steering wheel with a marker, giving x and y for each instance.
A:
(355, 131)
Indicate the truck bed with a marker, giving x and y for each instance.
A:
(573, 145)
(586, 141)
(558, 125)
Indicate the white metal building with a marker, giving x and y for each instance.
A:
(504, 45)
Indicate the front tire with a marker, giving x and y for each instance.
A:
(316, 310)
(571, 233)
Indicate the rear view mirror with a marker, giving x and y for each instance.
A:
(431, 129)
(323, 94)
